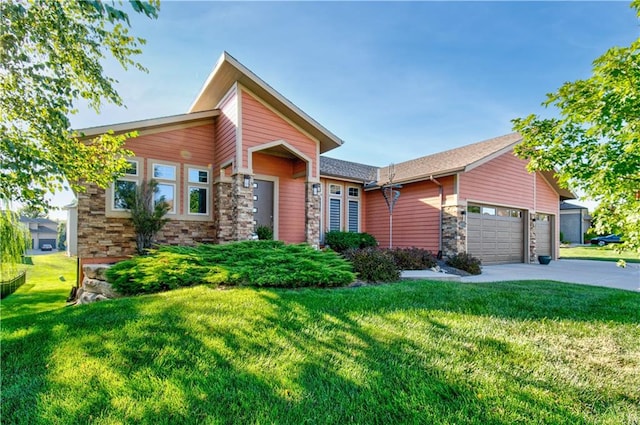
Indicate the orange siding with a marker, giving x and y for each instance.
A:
(547, 200)
(503, 180)
(416, 216)
(291, 196)
(226, 126)
(261, 125)
(192, 145)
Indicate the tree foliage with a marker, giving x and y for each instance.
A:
(594, 145)
(147, 214)
(50, 58)
(61, 242)
(14, 241)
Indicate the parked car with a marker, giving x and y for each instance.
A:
(46, 247)
(604, 240)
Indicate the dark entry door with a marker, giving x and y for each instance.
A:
(263, 203)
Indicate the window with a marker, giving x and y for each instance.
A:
(334, 189)
(166, 176)
(488, 211)
(334, 214)
(473, 209)
(198, 190)
(354, 192)
(354, 216)
(125, 186)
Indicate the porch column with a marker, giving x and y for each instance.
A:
(312, 219)
(242, 206)
(532, 238)
(223, 212)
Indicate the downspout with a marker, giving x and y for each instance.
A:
(440, 193)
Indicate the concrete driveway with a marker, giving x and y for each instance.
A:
(596, 273)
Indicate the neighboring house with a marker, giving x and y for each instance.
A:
(244, 156)
(43, 231)
(574, 222)
(72, 228)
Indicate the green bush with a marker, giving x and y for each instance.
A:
(373, 265)
(412, 258)
(265, 233)
(255, 263)
(342, 241)
(465, 262)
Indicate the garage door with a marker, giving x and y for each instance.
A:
(495, 234)
(543, 234)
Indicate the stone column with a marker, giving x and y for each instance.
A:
(532, 238)
(312, 219)
(242, 208)
(223, 214)
(454, 230)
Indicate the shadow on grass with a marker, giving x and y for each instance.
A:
(388, 354)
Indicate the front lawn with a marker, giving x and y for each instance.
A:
(594, 252)
(412, 352)
(49, 281)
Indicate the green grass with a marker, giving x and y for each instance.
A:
(413, 352)
(44, 289)
(594, 252)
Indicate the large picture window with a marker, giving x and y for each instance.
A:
(198, 191)
(125, 185)
(166, 176)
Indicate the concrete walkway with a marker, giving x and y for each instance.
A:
(587, 272)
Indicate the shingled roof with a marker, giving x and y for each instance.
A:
(332, 167)
(451, 161)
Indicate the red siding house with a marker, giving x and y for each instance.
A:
(244, 156)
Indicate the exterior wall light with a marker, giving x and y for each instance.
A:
(316, 188)
(247, 181)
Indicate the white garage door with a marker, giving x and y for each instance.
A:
(495, 234)
(543, 234)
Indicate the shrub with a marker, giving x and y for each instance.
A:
(256, 263)
(265, 233)
(465, 262)
(373, 265)
(412, 258)
(342, 241)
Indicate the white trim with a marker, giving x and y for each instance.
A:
(273, 144)
(239, 164)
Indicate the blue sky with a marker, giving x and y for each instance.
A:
(394, 80)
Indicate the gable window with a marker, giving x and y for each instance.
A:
(198, 191)
(166, 175)
(125, 185)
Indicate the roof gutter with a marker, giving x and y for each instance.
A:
(440, 193)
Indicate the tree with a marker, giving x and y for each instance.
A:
(594, 145)
(50, 58)
(61, 243)
(147, 212)
(32, 211)
(14, 241)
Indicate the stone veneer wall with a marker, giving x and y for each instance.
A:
(532, 239)
(312, 220)
(454, 230)
(241, 209)
(102, 236)
(223, 211)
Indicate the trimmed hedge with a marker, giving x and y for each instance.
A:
(342, 241)
(465, 262)
(373, 265)
(412, 258)
(253, 263)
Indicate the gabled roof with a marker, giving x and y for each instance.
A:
(331, 167)
(569, 206)
(452, 161)
(141, 125)
(228, 70)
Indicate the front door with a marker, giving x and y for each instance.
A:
(263, 203)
